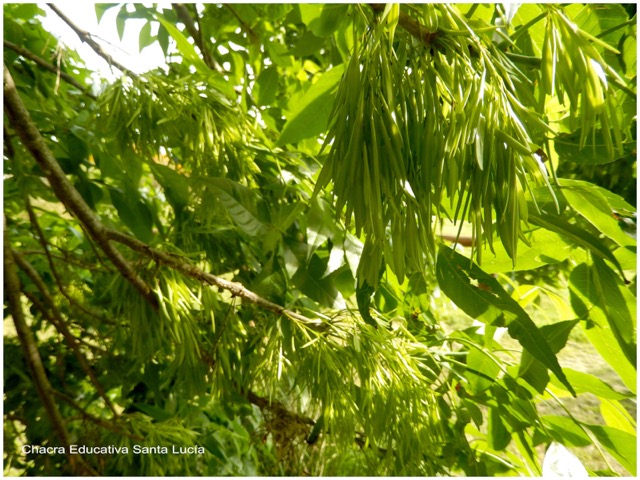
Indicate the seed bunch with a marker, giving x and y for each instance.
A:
(421, 132)
(572, 66)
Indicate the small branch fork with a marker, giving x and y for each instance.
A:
(86, 38)
(48, 66)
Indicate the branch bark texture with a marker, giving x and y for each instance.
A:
(20, 120)
(41, 382)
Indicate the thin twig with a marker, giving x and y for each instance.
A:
(48, 66)
(20, 120)
(409, 24)
(59, 323)
(253, 37)
(98, 421)
(185, 17)
(190, 270)
(34, 361)
(86, 38)
(278, 409)
(45, 246)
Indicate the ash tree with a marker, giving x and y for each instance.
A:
(321, 240)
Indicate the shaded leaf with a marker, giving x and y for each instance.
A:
(133, 212)
(593, 206)
(598, 294)
(565, 431)
(310, 281)
(240, 203)
(621, 445)
(577, 234)
(311, 115)
(492, 305)
(533, 371)
(323, 20)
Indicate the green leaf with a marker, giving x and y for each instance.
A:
(595, 152)
(533, 371)
(323, 20)
(175, 185)
(499, 436)
(479, 361)
(587, 383)
(545, 248)
(598, 292)
(101, 8)
(133, 212)
(621, 445)
(309, 280)
(488, 302)
(311, 115)
(145, 38)
(240, 203)
(154, 412)
(266, 86)
(320, 225)
(91, 193)
(593, 206)
(120, 21)
(565, 431)
(163, 39)
(363, 298)
(576, 234)
(616, 416)
(187, 50)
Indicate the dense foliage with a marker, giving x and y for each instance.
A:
(274, 247)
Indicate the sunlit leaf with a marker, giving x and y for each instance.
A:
(488, 302)
(311, 115)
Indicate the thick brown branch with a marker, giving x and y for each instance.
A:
(48, 66)
(185, 17)
(21, 122)
(55, 317)
(33, 359)
(86, 38)
(190, 270)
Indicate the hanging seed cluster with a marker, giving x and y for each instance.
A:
(425, 131)
(573, 67)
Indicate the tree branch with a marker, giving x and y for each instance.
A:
(190, 270)
(98, 421)
(278, 409)
(48, 66)
(253, 37)
(54, 271)
(55, 317)
(33, 359)
(86, 38)
(69, 196)
(185, 17)
(20, 120)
